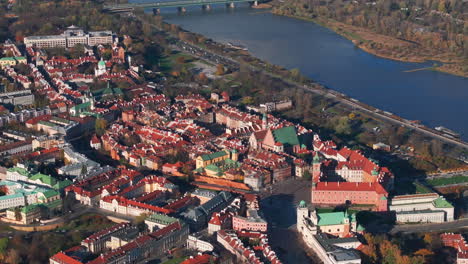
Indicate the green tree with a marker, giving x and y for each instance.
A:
(306, 175)
(18, 215)
(100, 126)
(84, 170)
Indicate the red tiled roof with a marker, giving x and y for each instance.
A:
(64, 259)
(199, 259)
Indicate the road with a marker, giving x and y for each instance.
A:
(417, 228)
(233, 64)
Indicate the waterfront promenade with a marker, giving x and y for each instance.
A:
(333, 95)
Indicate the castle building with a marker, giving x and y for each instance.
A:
(339, 193)
(315, 229)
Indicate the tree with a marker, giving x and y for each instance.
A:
(18, 215)
(428, 239)
(306, 175)
(100, 126)
(442, 6)
(3, 246)
(84, 170)
(247, 100)
(295, 73)
(13, 257)
(219, 69)
(180, 60)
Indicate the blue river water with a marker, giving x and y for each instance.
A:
(435, 98)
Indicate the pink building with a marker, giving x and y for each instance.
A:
(337, 193)
(253, 222)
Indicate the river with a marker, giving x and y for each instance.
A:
(435, 98)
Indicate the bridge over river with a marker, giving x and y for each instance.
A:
(180, 4)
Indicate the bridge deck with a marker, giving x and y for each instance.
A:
(183, 3)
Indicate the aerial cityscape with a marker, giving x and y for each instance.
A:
(234, 131)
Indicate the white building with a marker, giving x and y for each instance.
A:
(101, 68)
(330, 251)
(71, 37)
(427, 207)
(199, 244)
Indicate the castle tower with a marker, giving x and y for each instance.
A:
(314, 185)
(264, 121)
(302, 213)
(316, 168)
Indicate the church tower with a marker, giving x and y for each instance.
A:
(101, 68)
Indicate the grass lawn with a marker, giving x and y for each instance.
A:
(446, 181)
(167, 63)
(175, 260)
(421, 188)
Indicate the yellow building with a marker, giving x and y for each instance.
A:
(11, 61)
(207, 159)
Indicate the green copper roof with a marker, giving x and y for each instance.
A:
(82, 107)
(8, 59)
(213, 167)
(19, 170)
(62, 184)
(46, 179)
(50, 193)
(286, 135)
(333, 218)
(360, 228)
(11, 196)
(47, 123)
(302, 204)
(101, 63)
(29, 208)
(442, 203)
(107, 92)
(161, 219)
(214, 155)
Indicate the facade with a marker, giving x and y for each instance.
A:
(71, 37)
(207, 159)
(338, 193)
(22, 97)
(198, 244)
(428, 207)
(253, 222)
(97, 241)
(11, 61)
